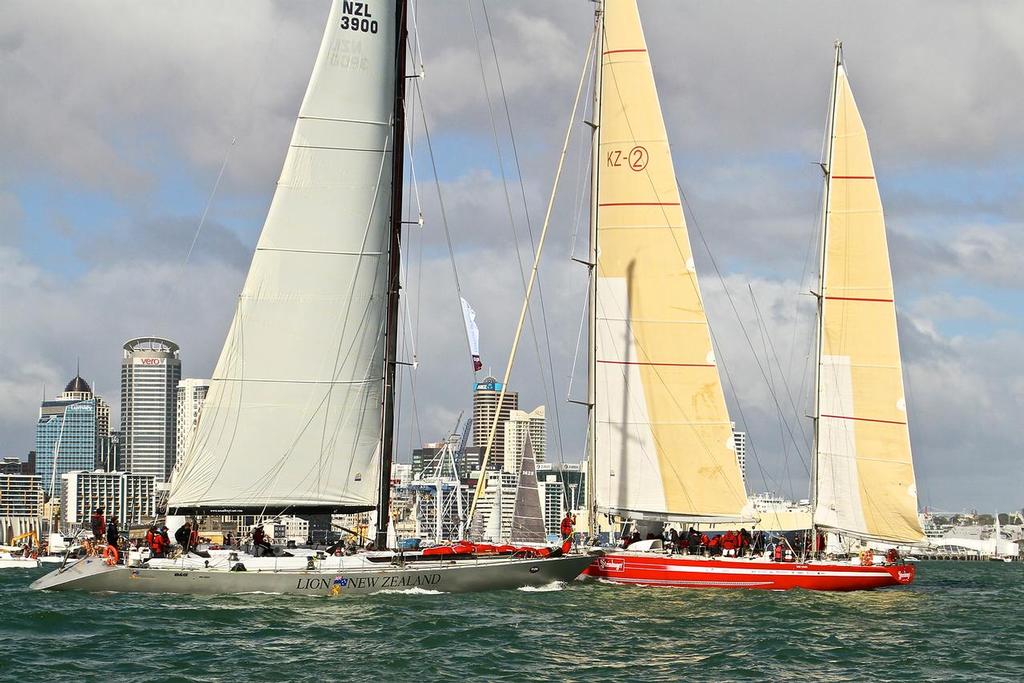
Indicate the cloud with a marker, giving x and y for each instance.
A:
(138, 105)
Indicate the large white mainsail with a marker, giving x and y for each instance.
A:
(293, 415)
(864, 472)
(662, 444)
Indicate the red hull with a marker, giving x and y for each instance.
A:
(666, 570)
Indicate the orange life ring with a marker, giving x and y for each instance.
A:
(110, 555)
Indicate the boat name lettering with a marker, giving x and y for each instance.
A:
(181, 573)
(636, 158)
(373, 582)
(356, 17)
(409, 581)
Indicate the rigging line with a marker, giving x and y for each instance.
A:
(579, 339)
(765, 340)
(548, 394)
(735, 310)
(533, 277)
(775, 356)
(440, 202)
(529, 224)
(209, 203)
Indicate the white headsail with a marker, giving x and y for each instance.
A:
(864, 471)
(293, 415)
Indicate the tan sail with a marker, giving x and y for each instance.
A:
(865, 474)
(663, 442)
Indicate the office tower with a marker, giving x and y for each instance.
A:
(191, 394)
(740, 440)
(519, 424)
(150, 372)
(485, 405)
(68, 433)
(21, 505)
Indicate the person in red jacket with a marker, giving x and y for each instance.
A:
(729, 543)
(568, 522)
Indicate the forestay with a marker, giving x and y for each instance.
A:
(865, 475)
(663, 442)
(293, 415)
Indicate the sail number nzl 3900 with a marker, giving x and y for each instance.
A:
(356, 17)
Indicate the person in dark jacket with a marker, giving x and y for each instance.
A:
(693, 542)
(113, 537)
(260, 545)
(183, 535)
(98, 523)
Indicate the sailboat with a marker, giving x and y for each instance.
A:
(661, 444)
(299, 418)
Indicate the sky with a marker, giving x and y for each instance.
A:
(117, 117)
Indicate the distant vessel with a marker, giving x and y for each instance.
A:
(660, 436)
(299, 418)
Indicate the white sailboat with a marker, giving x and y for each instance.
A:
(661, 443)
(299, 418)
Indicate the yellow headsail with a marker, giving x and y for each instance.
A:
(663, 442)
(865, 475)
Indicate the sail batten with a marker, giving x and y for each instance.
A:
(293, 415)
(663, 443)
(865, 481)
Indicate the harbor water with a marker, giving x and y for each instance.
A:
(959, 621)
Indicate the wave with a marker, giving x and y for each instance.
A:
(547, 588)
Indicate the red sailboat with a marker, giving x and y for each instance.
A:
(661, 443)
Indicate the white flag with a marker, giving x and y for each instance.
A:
(472, 334)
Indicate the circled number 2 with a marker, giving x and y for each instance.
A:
(638, 158)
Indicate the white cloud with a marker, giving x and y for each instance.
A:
(105, 98)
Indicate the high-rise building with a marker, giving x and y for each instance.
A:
(498, 497)
(21, 505)
(519, 424)
(130, 498)
(485, 405)
(740, 441)
(150, 372)
(70, 432)
(562, 487)
(191, 394)
(109, 457)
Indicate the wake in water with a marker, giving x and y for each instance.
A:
(415, 590)
(553, 586)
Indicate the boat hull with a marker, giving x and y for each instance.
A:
(92, 574)
(693, 572)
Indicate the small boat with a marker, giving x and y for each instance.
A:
(660, 439)
(17, 560)
(300, 418)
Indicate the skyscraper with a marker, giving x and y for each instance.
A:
(150, 372)
(740, 440)
(485, 405)
(70, 433)
(519, 424)
(191, 394)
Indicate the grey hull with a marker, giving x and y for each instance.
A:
(92, 574)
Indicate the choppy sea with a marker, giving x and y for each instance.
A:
(957, 622)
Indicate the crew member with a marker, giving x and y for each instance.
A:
(260, 545)
(98, 524)
(568, 522)
(113, 537)
(183, 536)
(693, 542)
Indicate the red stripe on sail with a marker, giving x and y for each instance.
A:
(640, 204)
(857, 298)
(853, 177)
(865, 419)
(669, 365)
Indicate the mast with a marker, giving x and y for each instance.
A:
(392, 325)
(826, 168)
(595, 147)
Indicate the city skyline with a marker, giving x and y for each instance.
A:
(70, 236)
